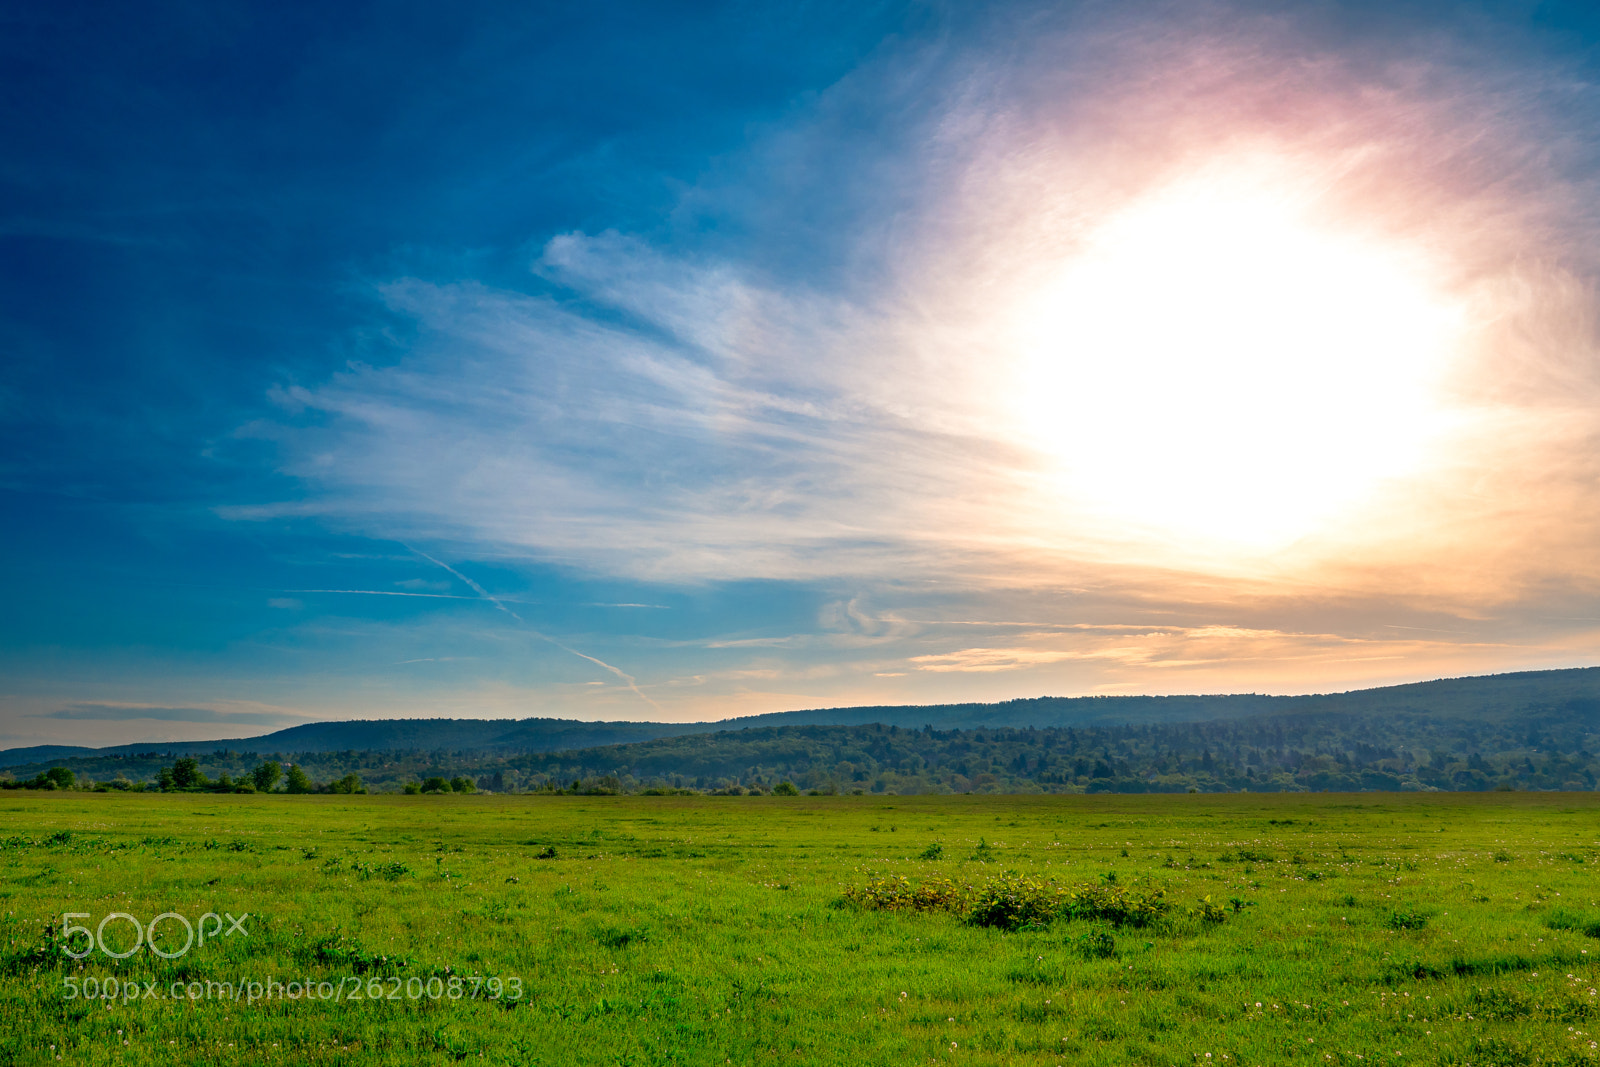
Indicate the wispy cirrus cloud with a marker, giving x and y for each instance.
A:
(690, 415)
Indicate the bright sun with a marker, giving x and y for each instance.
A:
(1218, 364)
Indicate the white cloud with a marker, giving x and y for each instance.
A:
(706, 411)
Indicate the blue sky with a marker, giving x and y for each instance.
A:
(661, 361)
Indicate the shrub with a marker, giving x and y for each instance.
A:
(435, 785)
(1407, 918)
(411, 789)
(785, 789)
(898, 894)
(932, 852)
(1116, 904)
(296, 781)
(462, 785)
(1014, 901)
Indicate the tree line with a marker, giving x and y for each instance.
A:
(186, 776)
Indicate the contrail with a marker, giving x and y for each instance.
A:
(485, 594)
(381, 592)
(476, 588)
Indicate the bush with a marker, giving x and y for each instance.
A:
(1012, 902)
(898, 894)
(411, 789)
(1408, 918)
(462, 785)
(296, 781)
(785, 789)
(932, 852)
(1116, 904)
(435, 785)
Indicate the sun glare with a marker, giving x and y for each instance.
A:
(1216, 363)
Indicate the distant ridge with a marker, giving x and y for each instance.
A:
(1491, 698)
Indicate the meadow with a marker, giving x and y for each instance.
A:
(1321, 928)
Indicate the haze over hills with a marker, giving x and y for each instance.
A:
(1571, 696)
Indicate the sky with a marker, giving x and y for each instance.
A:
(682, 361)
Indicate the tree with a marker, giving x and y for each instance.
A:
(435, 785)
(62, 776)
(785, 789)
(164, 779)
(186, 774)
(462, 785)
(350, 783)
(297, 782)
(267, 774)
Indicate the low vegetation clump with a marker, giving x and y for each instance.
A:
(1012, 902)
(1407, 918)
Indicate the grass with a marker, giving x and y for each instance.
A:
(1315, 929)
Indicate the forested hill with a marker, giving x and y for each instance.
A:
(455, 735)
(1516, 732)
(1492, 698)
(1505, 706)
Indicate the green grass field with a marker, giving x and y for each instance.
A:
(1359, 929)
